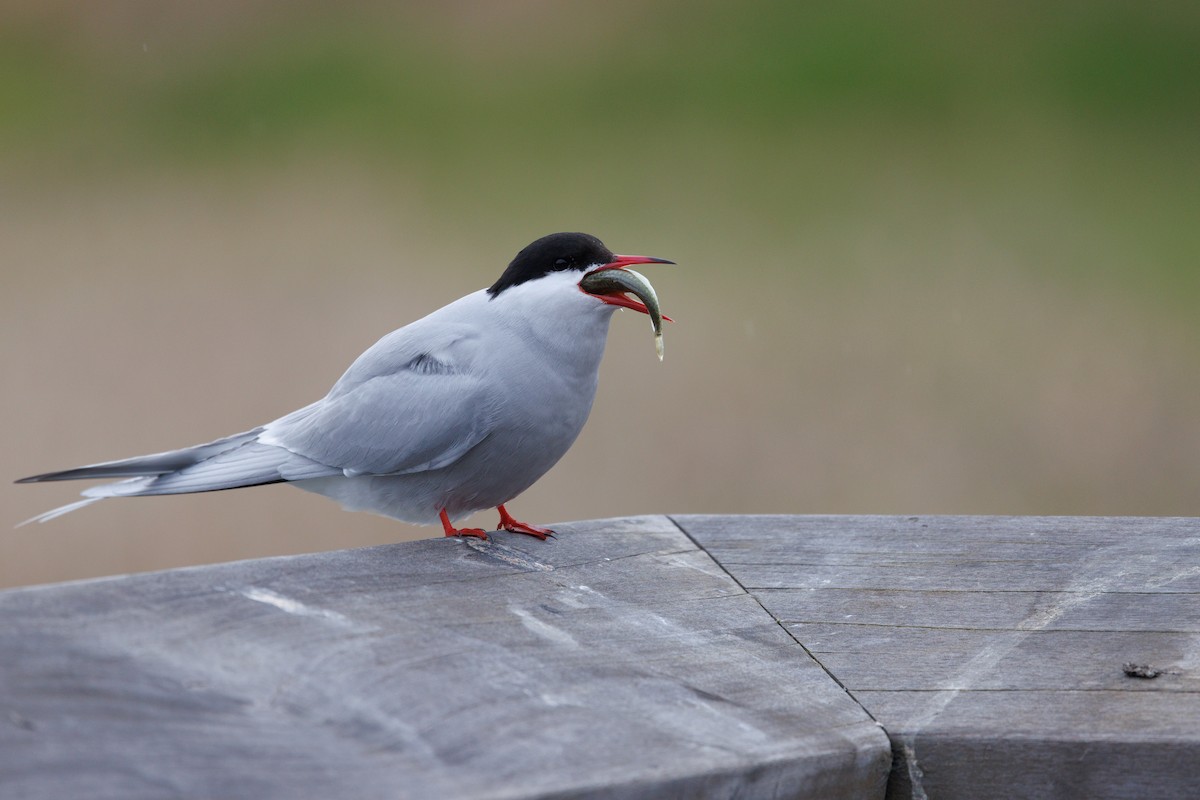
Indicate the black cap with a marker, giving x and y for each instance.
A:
(554, 253)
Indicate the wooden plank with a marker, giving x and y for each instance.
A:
(615, 661)
(991, 648)
(1087, 744)
(881, 658)
(959, 553)
(989, 610)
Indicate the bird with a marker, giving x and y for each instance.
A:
(457, 412)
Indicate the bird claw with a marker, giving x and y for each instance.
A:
(532, 530)
(450, 530)
(507, 523)
(478, 533)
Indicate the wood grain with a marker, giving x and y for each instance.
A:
(616, 661)
(991, 648)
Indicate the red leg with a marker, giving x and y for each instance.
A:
(452, 531)
(507, 523)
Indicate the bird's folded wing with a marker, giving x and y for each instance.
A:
(422, 417)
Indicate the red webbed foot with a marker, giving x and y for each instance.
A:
(450, 530)
(507, 523)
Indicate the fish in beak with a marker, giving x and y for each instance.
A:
(613, 282)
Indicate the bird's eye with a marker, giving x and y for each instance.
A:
(562, 262)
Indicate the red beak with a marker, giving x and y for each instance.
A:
(626, 261)
(623, 300)
(626, 302)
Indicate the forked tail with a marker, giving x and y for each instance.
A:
(229, 463)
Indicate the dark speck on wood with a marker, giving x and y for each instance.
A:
(1140, 670)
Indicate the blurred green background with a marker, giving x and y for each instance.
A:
(934, 257)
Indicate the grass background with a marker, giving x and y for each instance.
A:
(934, 257)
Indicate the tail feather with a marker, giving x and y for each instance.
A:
(249, 464)
(155, 464)
(58, 512)
(229, 463)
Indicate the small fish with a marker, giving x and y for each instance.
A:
(620, 281)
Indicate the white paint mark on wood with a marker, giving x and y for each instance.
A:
(543, 629)
(690, 560)
(1164, 580)
(569, 599)
(1096, 580)
(985, 662)
(652, 624)
(291, 606)
(915, 775)
(509, 555)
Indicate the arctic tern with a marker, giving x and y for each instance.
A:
(459, 411)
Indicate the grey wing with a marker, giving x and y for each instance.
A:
(414, 401)
(401, 408)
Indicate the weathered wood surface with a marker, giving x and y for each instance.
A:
(617, 661)
(991, 648)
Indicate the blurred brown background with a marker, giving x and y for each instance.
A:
(933, 259)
